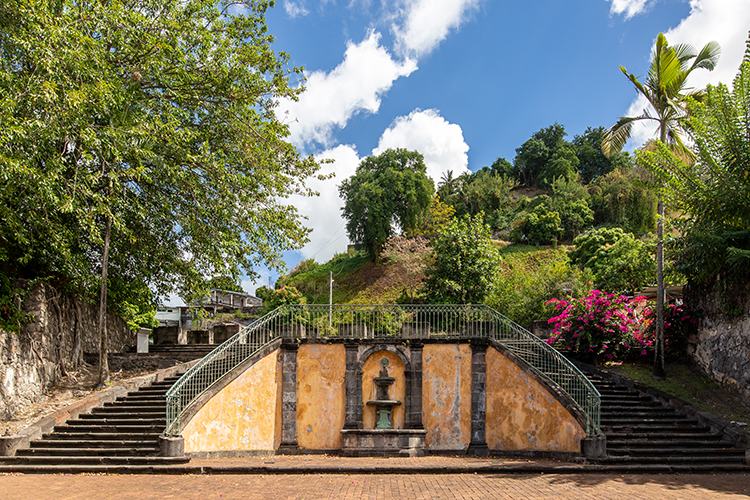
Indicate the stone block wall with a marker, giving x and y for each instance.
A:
(722, 345)
(30, 360)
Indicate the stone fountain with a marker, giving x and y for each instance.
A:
(382, 403)
(383, 440)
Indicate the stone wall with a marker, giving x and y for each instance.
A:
(63, 330)
(722, 345)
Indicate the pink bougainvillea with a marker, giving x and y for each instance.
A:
(598, 325)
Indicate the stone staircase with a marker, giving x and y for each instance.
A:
(644, 432)
(123, 433)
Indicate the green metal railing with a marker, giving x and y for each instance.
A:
(384, 321)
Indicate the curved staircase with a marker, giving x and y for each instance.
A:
(645, 432)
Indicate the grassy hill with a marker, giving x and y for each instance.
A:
(530, 276)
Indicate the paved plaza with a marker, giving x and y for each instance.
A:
(291, 477)
(381, 487)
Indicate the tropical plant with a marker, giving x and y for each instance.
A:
(530, 277)
(539, 226)
(712, 189)
(626, 198)
(388, 192)
(464, 263)
(665, 90)
(620, 263)
(598, 325)
(680, 322)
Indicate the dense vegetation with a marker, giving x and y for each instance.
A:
(140, 152)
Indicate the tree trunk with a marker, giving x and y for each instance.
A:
(659, 370)
(77, 357)
(103, 363)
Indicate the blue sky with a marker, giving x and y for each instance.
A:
(467, 81)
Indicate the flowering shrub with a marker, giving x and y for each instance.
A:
(599, 324)
(680, 322)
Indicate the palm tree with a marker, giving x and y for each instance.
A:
(666, 91)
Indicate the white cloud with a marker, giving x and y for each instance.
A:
(426, 23)
(295, 9)
(324, 212)
(356, 85)
(629, 7)
(440, 142)
(726, 22)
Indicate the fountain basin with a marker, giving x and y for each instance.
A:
(383, 442)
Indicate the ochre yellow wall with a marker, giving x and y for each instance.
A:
(446, 395)
(522, 414)
(396, 392)
(321, 400)
(244, 415)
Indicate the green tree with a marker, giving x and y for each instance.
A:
(388, 193)
(593, 164)
(534, 156)
(502, 167)
(625, 198)
(665, 90)
(540, 226)
(712, 189)
(465, 263)
(620, 263)
(139, 141)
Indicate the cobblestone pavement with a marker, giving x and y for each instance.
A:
(411, 487)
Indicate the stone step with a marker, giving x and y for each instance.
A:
(663, 420)
(136, 399)
(131, 408)
(114, 429)
(674, 452)
(94, 443)
(698, 442)
(132, 420)
(102, 436)
(643, 413)
(88, 451)
(136, 412)
(708, 459)
(75, 460)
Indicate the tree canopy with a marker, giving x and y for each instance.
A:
(465, 263)
(140, 138)
(388, 192)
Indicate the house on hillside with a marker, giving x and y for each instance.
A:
(228, 301)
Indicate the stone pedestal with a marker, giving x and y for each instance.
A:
(383, 442)
(9, 444)
(171, 446)
(594, 447)
(198, 337)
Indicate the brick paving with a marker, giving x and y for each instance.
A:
(411, 487)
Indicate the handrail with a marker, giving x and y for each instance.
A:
(430, 321)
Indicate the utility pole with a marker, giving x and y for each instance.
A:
(330, 297)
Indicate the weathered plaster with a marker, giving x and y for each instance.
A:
(446, 395)
(320, 395)
(243, 416)
(397, 391)
(522, 414)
